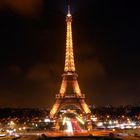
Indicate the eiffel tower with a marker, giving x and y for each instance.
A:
(69, 81)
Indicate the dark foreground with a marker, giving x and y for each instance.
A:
(96, 135)
(79, 138)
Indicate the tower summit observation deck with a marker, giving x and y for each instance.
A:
(69, 79)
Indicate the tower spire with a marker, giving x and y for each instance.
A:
(69, 57)
(69, 13)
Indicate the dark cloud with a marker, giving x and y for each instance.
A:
(91, 68)
(23, 7)
(43, 72)
(15, 70)
(39, 72)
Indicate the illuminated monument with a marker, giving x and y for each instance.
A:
(70, 93)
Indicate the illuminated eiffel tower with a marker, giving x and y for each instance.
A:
(70, 93)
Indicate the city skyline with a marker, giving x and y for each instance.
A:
(33, 45)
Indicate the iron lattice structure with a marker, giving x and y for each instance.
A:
(69, 80)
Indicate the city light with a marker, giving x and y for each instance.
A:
(80, 120)
(69, 127)
(47, 120)
(64, 120)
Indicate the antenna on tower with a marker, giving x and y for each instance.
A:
(69, 13)
(69, 9)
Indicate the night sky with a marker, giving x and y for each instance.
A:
(32, 50)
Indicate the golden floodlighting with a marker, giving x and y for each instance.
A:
(75, 97)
